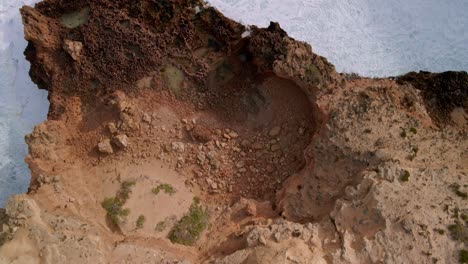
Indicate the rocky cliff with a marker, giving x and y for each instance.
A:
(176, 135)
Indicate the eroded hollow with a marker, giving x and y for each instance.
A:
(271, 118)
(259, 125)
(244, 133)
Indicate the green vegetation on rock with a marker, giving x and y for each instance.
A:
(114, 205)
(458, 232)
(140, 222)
(189, 229)
(405, 176)
(160, 226)
(167, 188)
(440, 231)
(456, 189)
(3, 238)
(463, 256)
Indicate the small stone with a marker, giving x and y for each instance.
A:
(226, 136)
(180, 162)
(251, 209)
(262, 240)
(184, 121)
(383, 154)
(121, 141)
(198, 173)
(128, 123)
(201, 134)
(233, 134)
(257, 146)
(275, 131)
(105, 146)
(201, 158)
(301, 131)
(211, 155)
(178, 147)
(73, 48)
(146, 118)
(240, 164)
(42, 179)
(112, 128)
(214, 164)
(245, 143)
(270, 168)
(214, 186)
(275, 147)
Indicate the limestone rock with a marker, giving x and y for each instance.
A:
(112, 127)
(275, 131)
(178, 147)
(121, 141)
(105, 146)
(73, 48)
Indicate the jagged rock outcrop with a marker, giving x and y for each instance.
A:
(166, 115)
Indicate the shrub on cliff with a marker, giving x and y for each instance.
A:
(188, 230)
(114, 205)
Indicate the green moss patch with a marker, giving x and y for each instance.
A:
(405, 176)
(458, 232)
(114, 205)
(189, 229)
(140, 222)
(456, 189)
(463, 256)
(160, 226)
(3, 238)
(167, 188)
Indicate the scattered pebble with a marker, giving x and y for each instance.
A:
(275, 131)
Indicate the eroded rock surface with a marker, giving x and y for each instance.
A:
(165, 114)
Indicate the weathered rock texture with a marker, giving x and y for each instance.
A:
(295, 162)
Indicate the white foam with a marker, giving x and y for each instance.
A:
(22, 105)
(369, 37)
